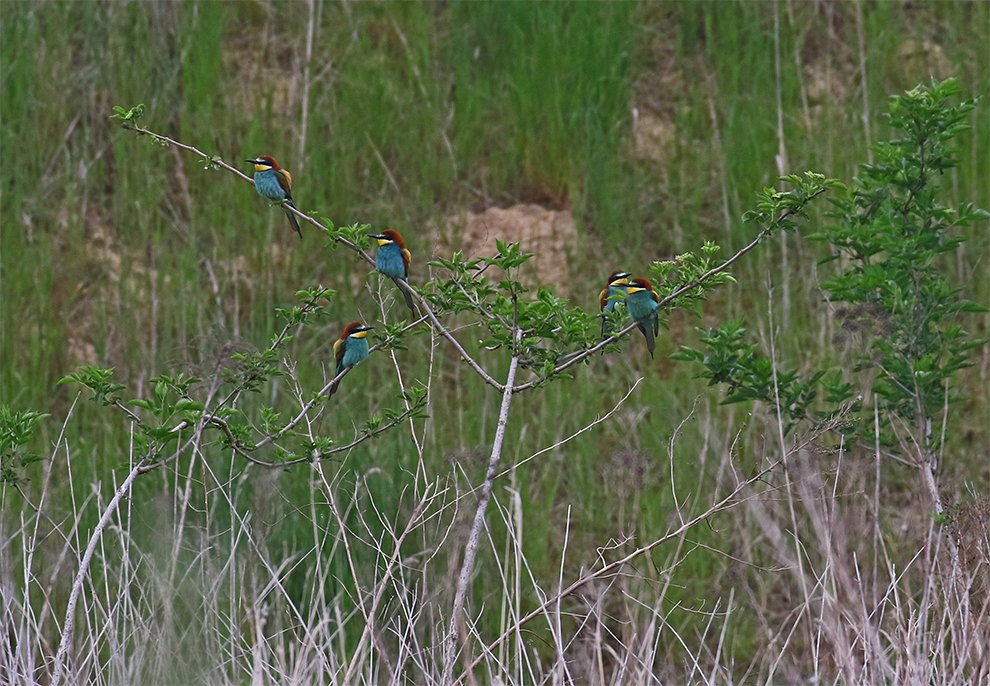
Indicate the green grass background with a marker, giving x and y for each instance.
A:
(132, 256)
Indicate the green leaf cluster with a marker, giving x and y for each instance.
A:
(172, 409)
(731, 360)
(97, 380)
(15, 433)
(550, 328)
(673, 276)
(128, 117)
(775, 209)
(892, 230)
(893, 293)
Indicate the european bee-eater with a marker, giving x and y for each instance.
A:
(351, 347)
(617, 283)
(642, 303)
(392, 260)
(275, 183)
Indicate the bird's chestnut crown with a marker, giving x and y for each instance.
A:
(264, 163)
(388, 236)
(639, 285)
(356, 330)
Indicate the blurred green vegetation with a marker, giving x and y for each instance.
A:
(653, 123)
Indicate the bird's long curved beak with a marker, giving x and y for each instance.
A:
(253, 161)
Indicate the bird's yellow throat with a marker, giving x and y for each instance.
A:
(261, 167)
(359, 334)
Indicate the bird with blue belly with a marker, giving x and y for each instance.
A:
(275, 183)
(351, 348)
(642, 304)
(392, 260)
(615, 287)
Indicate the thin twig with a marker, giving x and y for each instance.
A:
(612, 568)
(615, 566)
(383, 584)
(576, 433)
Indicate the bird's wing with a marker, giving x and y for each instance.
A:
(656, 315)
(285, 181)
(339, 348)
(405, 260)
(603, 299)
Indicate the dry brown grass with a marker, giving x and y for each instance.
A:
(206, 603)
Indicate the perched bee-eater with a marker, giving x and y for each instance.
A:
(275, 183)
(392, 260)
(642, 303)
(351, 347)
(618, 281)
